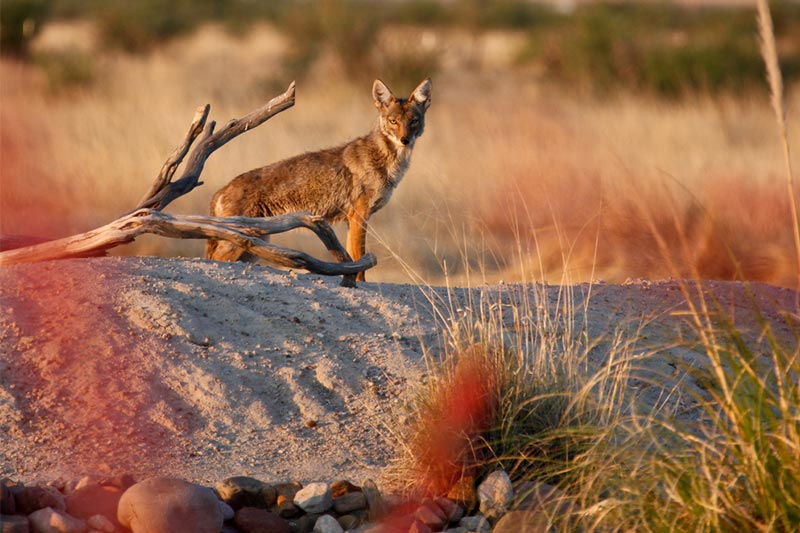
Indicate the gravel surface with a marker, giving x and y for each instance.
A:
(204, 370)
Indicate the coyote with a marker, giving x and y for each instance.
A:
(349, 182)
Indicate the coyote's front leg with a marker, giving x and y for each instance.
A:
(357, 231)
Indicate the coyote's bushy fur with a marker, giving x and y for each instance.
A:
(348, 182)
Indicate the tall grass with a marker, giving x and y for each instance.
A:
(770, 55)
(546, 413)
(506, 164)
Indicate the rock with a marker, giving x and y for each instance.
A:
(327, 524)
(69, 486)
(419, 527)
(86, 481)
(14, 524)
(7, 504)
(168, 505)
(101, 523)
(93, 499)
(227, 511)
(243, 491)
(284, 504)
(58, 483)
(314, 498)
(478, 524)
(375, 503)
(288, 490)
(349, 502)
(303, 523)
(391, 523)
(123, 481)
(286, 507)
(30, 499)
(256, 520)
(349, 521)
(463, 492)
(495, 495)
(431, 515)
(50, 520)
(451, 509)
(56, 496)
(341, 487)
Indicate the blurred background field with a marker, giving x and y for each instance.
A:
(566, 141)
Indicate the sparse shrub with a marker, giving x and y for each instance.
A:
(138, 26)
(67, 69)
(664, 50)
(519, 401)
(20, 21)
(406, 67)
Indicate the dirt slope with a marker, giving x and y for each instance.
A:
(204, 370)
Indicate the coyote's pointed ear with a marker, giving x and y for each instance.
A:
(382, 94)
(422, 94)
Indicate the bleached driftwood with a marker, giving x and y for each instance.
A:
(245, 232)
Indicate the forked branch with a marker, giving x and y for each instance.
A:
(164, 190)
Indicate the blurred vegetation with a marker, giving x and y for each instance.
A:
(659, 48)
(20, 21)
(662, 49)
(66, 69)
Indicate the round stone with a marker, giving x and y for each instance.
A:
(169, 505)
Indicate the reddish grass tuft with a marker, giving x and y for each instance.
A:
(448, 439)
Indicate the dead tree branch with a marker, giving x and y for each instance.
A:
(164, 190)
(245, 232)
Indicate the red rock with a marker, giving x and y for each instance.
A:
(94, 500)
(49, 520)
(342, 487)
(451, 509)
(431, 515)
(255, 520)
(419, 527)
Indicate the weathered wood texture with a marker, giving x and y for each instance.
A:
(248, 233)
(164, 190)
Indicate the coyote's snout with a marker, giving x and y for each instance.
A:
(348, 182)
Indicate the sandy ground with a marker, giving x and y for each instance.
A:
(205, 370)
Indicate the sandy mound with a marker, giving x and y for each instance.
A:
(204, 370)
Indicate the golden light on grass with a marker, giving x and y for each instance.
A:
(506, 165)
(770, 55)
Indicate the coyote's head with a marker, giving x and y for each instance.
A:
(402, 120)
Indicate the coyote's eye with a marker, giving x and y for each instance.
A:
(393, 122)
(414, 122)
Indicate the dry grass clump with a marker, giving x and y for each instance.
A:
(517, 389)
(512, 391)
